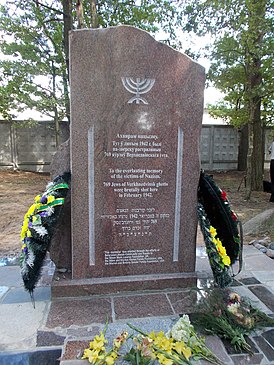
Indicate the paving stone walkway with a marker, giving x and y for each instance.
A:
(57, 331)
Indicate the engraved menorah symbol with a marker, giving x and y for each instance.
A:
(138, 87)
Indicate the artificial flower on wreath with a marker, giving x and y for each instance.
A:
(217, 255)
(221, 229)
(38, 228)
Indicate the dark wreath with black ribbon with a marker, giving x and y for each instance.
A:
(221, 229)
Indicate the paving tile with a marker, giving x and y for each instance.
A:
(236, 282)
(91, 331)
(20, 295)
(45, 357)
(14, 358)
(215, 344)
(9, 261)
(265, 347)
(250, 281)
(138, 306)
(232, 351)
(184, 301)
(245, 292)
(11, 276)
(265, 295)
(265, 278)
(74, 350)
(269, 336)
(3, 291)
(245, 274)
(47, 338)
(259, 262)
(201, 251)
(255, 359)
(205, 283)
(65, 313)
(19, 324)
(147, 325)
(269, 284)
(250, 250)
(47, 272)
(74, 362)
(202, 266)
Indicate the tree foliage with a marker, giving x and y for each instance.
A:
(242, 32)
(34, 40)
(241, 58)
(32, 70)
(235, 58)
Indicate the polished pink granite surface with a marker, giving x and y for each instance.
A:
(137, 109)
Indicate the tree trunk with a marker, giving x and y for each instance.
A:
(66, 94)
(263, 149)
(254, 83)
(94, 17)
(257, 163)
(57, 127)
(80, 14)
(56, 117)
(243, 149)
(68, 25)
(67, 17)
(249, 161)
(255, 169)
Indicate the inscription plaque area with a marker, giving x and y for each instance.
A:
(134, 201)
(134, 161)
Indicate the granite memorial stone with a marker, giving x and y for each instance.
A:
(137, 109)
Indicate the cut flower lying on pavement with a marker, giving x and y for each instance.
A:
(184, 331)
(97, 352)
(221, 312)
(226, 314)
(179, 346)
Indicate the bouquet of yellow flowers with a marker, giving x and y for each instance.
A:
(178, 346)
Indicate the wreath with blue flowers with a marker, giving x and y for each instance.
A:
(38, 227)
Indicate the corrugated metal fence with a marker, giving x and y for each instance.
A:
(32, 149)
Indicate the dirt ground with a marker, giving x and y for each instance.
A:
(18, 189)
(17, 192)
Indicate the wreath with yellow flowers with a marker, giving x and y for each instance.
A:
(38, 228)
(221, 229)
